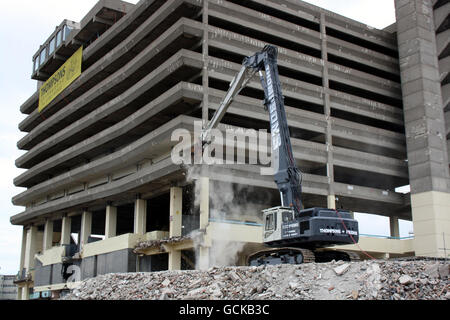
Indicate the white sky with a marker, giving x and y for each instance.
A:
(25, 25)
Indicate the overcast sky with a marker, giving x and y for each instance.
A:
(26, 24)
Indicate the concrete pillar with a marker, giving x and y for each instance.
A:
(205, 57)
(424, 126)
(22, 250)
(140, 216)
(31, 247)
(394, 226)
(204, 202)
(66, 230)
(111, 222)
(203, 258)
(176, 206)
(431, 222)
(175, 260)
(203, 251)
(48, 235)
(19, 293)
(25, 292)
(86, 227)
(22, 261)
(331, 201)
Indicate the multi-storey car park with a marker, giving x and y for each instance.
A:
(365, 108)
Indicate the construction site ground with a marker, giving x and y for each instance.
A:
(336, 280)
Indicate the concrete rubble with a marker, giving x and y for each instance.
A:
(159, 243)
(364, 280)
(196, 236)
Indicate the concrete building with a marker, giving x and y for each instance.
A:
(8, 290)
(365, 107)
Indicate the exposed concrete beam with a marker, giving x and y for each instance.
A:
(273, 26)
(312, 185)
(446, 97)
(369, 135)
(150, 110)
(103, 21)
(440, 15)
(312, 13)
(315, 122)
(365, 107)
(363, 55)
(370, 162)
(225, 71)
(444, 67)
(80, 199)
(443, 43)
(157, 141)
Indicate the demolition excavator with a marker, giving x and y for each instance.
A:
(291, 234)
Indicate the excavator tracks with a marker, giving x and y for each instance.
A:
(327, 255)
(281, 256)
(298, 255)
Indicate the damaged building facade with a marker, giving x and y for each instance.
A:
(367, 110)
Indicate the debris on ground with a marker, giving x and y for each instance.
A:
(362, 280)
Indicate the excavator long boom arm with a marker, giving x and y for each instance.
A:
(286, 174)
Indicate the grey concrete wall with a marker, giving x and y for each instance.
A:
(422, 99)
(57, 273)
(117, 261)
(42, 274)
(88, 267)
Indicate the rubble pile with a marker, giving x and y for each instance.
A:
(405, 280)
(366, 280)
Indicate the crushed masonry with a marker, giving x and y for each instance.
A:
(364, 280)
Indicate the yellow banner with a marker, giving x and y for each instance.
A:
(61, 79)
